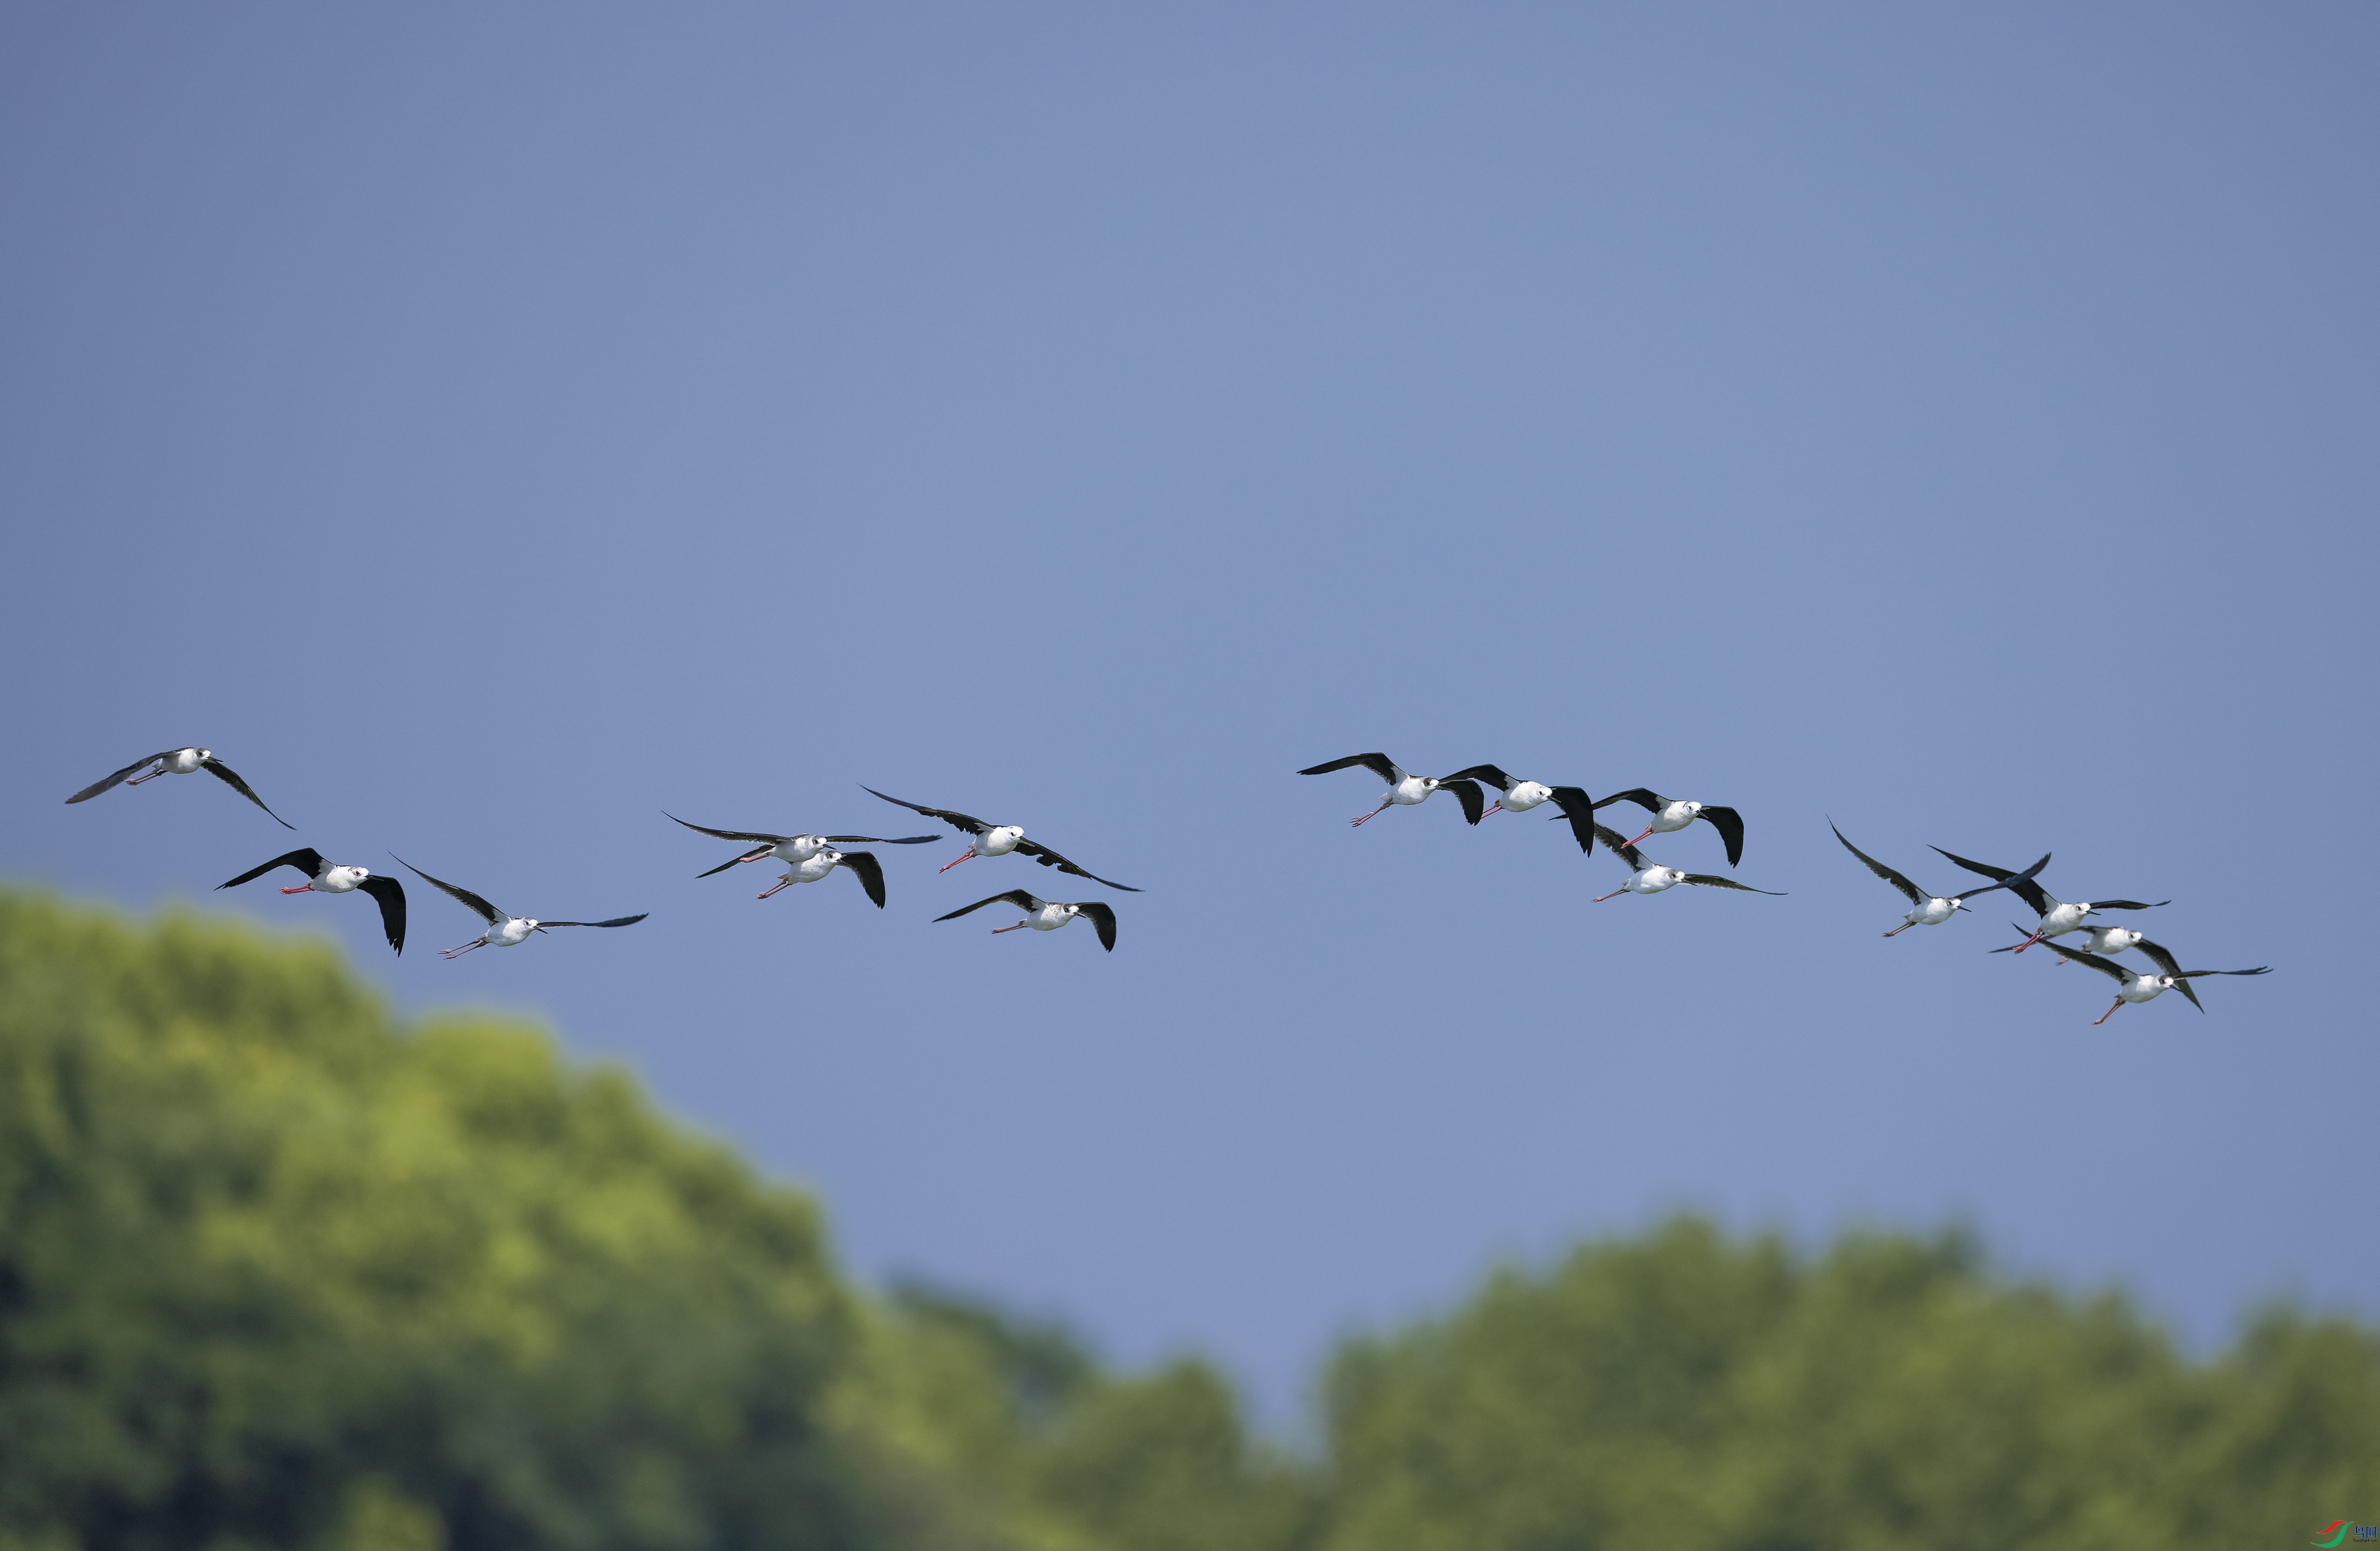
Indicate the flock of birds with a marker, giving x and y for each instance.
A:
(810, 858)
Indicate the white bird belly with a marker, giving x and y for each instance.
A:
(341, 881)
(1409, 790)
(1652, 880)
(1933, 913)
(511, 933)
(182, 761)
(2142, 990)
(1525, 795)
(800, 848)
(1049, 920)
(1000, 842)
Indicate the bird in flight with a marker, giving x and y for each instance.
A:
(1405, 791)
(504, 930)
(1669, 816)
(179, 761)
(997, 840)
(323, 878)
(1931, 910)
(1046, 916)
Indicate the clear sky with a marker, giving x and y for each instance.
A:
(487, 427)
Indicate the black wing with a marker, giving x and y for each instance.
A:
(1652, 801)
(1579, 808)
(958, 821)
(230, 778)
(1050, 858)
(732, 861)
(2131, 904)
(2168, 964)
(1617, 845)
(308, 861)
(2194, 974)
(879, 839)
(1467, 792)
(1729, 825)
(1379, 764)
(2028, 890)
(2104, 966)
(96, 787)
(1017, 897)
(1917, 896)
(391, 895)
(1487, 773)
(2024, 877)
(1710, 881)
(726, 834)
(615, 921)
(487, 912)
(1099, 916)
(870, 875)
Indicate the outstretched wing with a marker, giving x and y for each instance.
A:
(1050, 858)
(958, 821)
(2260, 969)
(1467, 792)
(1711, 880)
(2009, 882)
(96, 787)
(2129, 904)
(1916, 896)
(736, 861)
(487, 912)
(1652, 801)
(2106, 966)
(2168, 964)
(1579, 808)
(391, 895)
(2024, 935)
(1100, 916)
(2020, 884)
(1379, 764)
(1017, 897)
(1487, 773)
(1617, 845)
(230, 778)
(1729, 825)
(615, 921)
(871, 877)
(726, 834)
(879, 839)
(307, 860)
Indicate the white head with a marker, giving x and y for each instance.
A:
(1006, 834)
(1695, 808)
(359, 874)
(204, 754)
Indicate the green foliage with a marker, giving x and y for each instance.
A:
(276, 1273)
(1685, 1391)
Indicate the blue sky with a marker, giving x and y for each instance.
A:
(486, 430)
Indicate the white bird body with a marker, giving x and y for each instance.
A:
(1404, 789)
(514, 932)
(2112, 939)
(1675, 816)
(185, 761)
(1049, 919)
(999, 841)
(798, 849)
(1652, 879)
(1522, 796)
(1933, 913)
(334, 880)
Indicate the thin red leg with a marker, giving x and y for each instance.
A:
(1613, 895)
(1018, 928)
(1901, 928)
(2107, 1014)
(788, 883)
(301, 888)
(1494, 808)
(1368, 817)
(967, 857)
(1639, 839)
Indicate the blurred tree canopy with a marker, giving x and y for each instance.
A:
(278, 1273)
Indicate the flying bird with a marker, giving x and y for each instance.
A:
(1404, 789)
(325, 878)
(2102, 941)
(1932, 910)
(861, 865)
(2146, 988)
(504, 930)
(1669, 816)
(997, 840)
(1046, 916)
(1652, 878)
(2057, 919)
(181, 761)
(797, 849)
